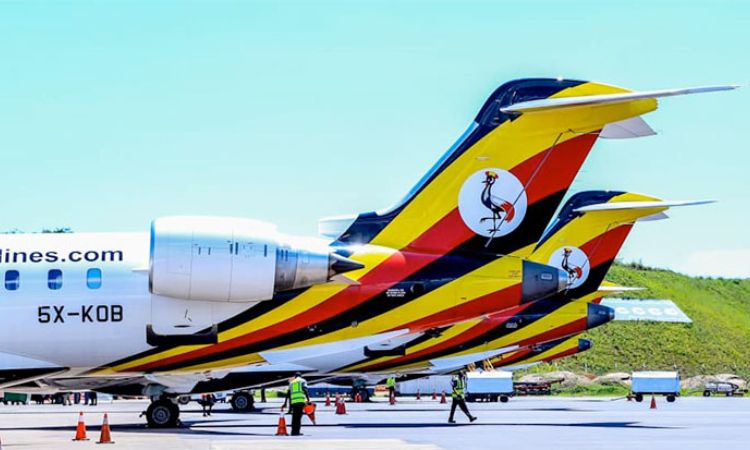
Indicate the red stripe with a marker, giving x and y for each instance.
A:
(605, 246)
(559, 169)
(515, 356)
(490, 303)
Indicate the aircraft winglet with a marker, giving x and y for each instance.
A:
(590, 100)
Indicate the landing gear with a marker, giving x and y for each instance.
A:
(242, 401)
(163, 413)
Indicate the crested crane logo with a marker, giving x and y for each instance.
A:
(492, 202)
(574, 261)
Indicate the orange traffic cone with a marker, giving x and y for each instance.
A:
(340, 406)
(310, 411)
(358, 398)
(653, 402)
(434, 395)
(328, 399)
(281, 429)
(105, 437)
(418, 396)
(442, 398)
(81, 429)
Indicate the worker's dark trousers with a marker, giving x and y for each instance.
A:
(391, 393)
(297, 418)
(461, 403)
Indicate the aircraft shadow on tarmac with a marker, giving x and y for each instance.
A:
(204, 428)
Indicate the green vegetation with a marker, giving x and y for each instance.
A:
(718, 340)
(592, 390)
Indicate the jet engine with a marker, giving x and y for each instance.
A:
(234, 260)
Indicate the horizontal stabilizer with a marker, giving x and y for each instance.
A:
(627, 129)
(654, 217)
(614, 206)
(591, 100)
(333, 227)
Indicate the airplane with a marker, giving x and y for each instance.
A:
(161, 313)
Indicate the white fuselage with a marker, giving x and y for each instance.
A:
(82, 300)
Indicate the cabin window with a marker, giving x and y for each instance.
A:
(54, 279)
(12, 280)
(94, 278)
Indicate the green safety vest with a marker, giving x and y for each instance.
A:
(458, 389)
(391, 382)
(297, 391)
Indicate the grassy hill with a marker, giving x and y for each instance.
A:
(718, 340)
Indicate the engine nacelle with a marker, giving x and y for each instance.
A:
(233, 260)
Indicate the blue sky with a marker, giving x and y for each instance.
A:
(113, 113)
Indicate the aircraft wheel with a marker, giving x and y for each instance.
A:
(639, 397)
(183, 399)
(163, 413)
(706, 393)
(242, 401)
(504, 399)
(670, 398)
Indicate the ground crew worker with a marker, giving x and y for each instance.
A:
(297, 396)
(207, 402)
(391, 384)
(458, 383)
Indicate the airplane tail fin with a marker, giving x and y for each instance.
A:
(589, 232)
(497, 186)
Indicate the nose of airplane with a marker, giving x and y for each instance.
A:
(598, 315)
(540, 281)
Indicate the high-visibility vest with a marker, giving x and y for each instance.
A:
(458, 387)
(391, 382)
(297, 391)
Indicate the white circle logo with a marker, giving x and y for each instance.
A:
(574, 261)
(492, 202)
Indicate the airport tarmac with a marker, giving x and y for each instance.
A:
(560, 423)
